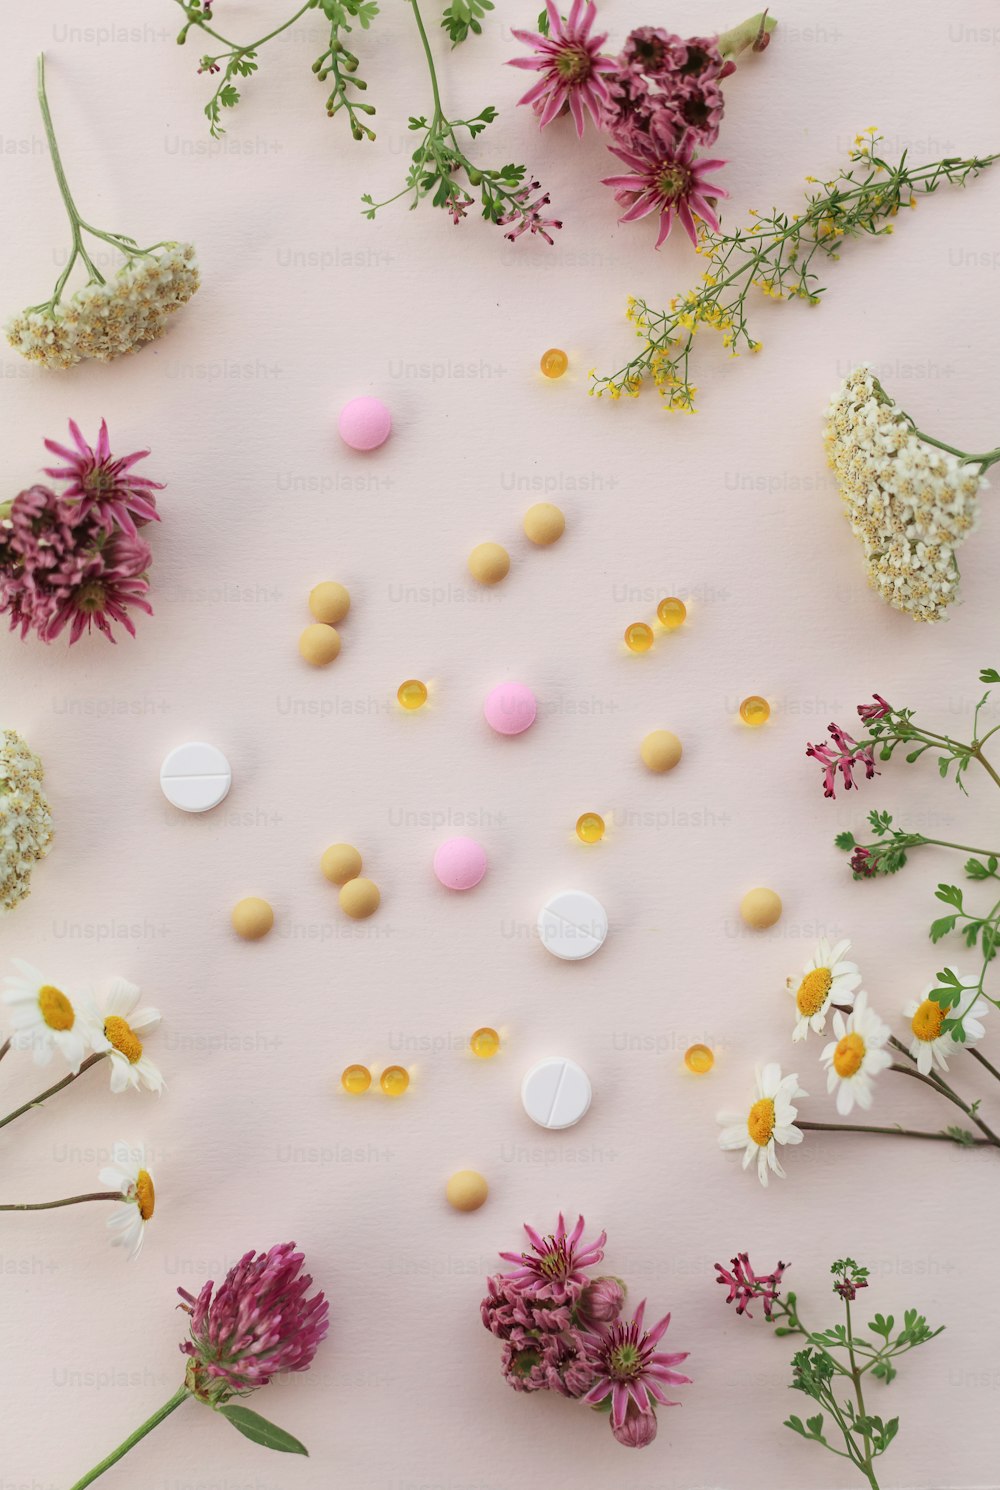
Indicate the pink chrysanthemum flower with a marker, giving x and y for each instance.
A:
(256, 1325)
(102, 486)
(557, 1268)
(571, 65)
(629, 1368)
(845, 755)
(669, 180)
(745, 1285)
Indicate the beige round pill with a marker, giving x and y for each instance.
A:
(544, 523)
(466, 1190)
(341, 862)
(661, 750)
(359, 898)
(252, 918)
(329, 602)
(489, 563)
(319, 644)
(760, 908)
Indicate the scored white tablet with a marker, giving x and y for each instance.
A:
(556, 1093)
(572, 925)
(195, 777)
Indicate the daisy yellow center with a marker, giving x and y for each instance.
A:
(56, 1009)
(813, 991)
(145, 1195)
(848, 1056)
(926, 1023)
(760, 1123)
(573, 64)
(123, 1037)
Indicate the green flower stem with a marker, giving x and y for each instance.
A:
(51, 1091)
(984, 461)
(195, 19)
(747, 34)
(896, 1133)
(75, 220)
(54, 1205)
(6, 1044)
(129, 1443)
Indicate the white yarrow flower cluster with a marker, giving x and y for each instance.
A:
(103, 321)
(25, 821)
(908, 502)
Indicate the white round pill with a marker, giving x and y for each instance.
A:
(195, 777)
(572, 925)
(556, 1093)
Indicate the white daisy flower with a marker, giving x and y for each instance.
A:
(122, 1024)
(770, 1121)
(826, 979)
(128, 1173)
(929, 1047)
(856, 1056)
(45, 1019)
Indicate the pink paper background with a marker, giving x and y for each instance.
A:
(304, 305)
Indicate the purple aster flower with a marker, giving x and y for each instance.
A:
(556, 1266)
(629, 1368)
(102, 486)
(669, 180)
(258, 1324)
(571, 65)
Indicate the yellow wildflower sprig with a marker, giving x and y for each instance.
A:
(779, 254)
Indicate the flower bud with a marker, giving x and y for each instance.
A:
(602, 1301)
(638, 1429)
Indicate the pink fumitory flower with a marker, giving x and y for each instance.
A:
(870, 713)
(745, 1285)
(845, 755)
(555, 1267)
(571, 65)
(102, 486)
(256, 1325)
(667, 179)
(525, 215)
(629, 1369)
(863, 862)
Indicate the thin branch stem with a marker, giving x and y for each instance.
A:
(895, 1133)
(179, 1396)
(976, 1056)
(51, 1091)
(54, 1205)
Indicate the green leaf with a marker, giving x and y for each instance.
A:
(463, 16)
(845, 841)
(942, 927)
(950, 894)
(229, 96)
(975, 869)
(259, 1430)
(989, 675)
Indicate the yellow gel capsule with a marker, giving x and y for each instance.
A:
(590, 828)
(412, 694)
(394, 1080)
(671, 612)
(755, 711)
(554, 362)
(699, 1059)
(638, 637)
(485, 1043)
(356, 1079)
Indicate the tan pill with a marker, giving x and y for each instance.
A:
(359, 898)
(760, 908)
(661, 750)
(252, 918)
(329, 602)
(466, 1190)
(489, 563)
(544, 524)
(341, 862)
(319, 644)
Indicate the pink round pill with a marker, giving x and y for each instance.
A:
(460, 863)
(510, 708)
(364, 423)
